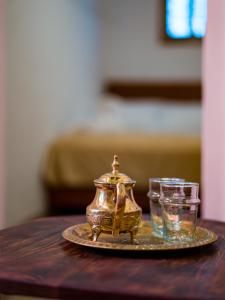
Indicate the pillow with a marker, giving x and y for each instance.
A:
(180, 118)
(147, 116)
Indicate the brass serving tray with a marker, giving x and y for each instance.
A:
(79, 234)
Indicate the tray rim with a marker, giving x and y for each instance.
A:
(75, 239)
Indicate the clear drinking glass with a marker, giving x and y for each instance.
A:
(179, 203)
(155, 207)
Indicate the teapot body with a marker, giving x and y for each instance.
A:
(101, 213)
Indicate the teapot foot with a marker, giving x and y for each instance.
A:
(96, 230)
(133, 233)
(135, 242)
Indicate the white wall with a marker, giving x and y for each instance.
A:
(133, 47)
(52, 81)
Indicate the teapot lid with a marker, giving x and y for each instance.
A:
(114, 177)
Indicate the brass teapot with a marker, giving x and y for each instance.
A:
(114, 209)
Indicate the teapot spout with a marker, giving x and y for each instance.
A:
(119, 208)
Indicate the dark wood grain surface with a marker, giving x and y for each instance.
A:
(36, 261)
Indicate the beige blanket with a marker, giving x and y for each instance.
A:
(76, 159)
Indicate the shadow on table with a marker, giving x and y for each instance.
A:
(199, 252)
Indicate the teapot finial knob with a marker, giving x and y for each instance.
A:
(115, 165)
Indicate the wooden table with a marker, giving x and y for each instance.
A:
(36, 261)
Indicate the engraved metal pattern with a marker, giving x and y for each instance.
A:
(145, 241)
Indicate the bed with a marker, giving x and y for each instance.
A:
(75, 159)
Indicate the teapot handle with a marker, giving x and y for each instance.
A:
(120, 207)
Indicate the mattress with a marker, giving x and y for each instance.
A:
(76, 159)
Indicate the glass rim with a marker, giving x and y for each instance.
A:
(180, 184)
(166, 179)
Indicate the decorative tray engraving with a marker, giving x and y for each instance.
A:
(145, 241)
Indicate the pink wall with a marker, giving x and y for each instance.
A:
(213, 161)
(2, 96)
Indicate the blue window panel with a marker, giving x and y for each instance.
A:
(177, 19)
(199, 18)
(186, 18)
